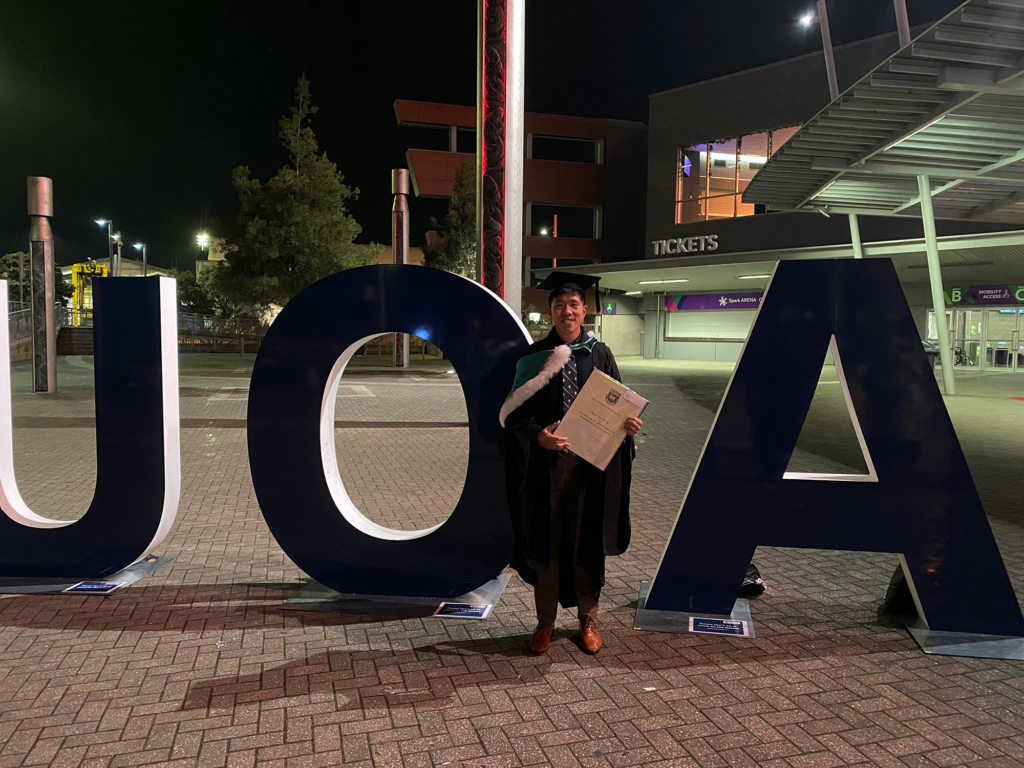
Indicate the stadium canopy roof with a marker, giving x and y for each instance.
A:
(949, 106)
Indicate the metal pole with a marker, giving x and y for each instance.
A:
(902, 23)
(515, 151)
(826, 42)
(21, 278)
(736, 181)
(481, 30)
(931, 243)
(858, 248)
(707, 182)
(116, 270)
(44, 328)
(554, 234)
(145, 263)
(400, 247)
(110, 246)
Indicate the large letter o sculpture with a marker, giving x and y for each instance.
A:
(291, 430)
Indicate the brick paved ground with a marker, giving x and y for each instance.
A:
(197, 665)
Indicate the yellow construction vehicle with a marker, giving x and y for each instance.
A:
(81, 298)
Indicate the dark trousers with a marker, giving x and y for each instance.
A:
(565, 495)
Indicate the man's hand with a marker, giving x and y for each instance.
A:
(552, 442)
(633, 425)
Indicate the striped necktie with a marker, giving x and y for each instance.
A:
(570, 384)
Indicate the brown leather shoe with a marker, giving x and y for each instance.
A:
(590, 639)
(541, 640)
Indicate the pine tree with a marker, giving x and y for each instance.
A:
(455, 248)
(295, 228)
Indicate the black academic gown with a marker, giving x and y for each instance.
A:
(601, 526)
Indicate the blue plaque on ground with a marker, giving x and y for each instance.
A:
(95, 587)
(463, 611)
(718, 626)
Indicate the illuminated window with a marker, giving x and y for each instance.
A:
(711, 178)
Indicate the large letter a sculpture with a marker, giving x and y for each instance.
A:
(918, 498)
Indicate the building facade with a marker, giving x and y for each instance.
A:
(584, 184)
(708, 255)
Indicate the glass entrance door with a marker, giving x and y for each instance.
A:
(1003, 349)
(967, 334)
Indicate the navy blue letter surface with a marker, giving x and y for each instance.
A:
(922, 503)
(137, 442)
(291, 430)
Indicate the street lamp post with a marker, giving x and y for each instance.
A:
(142, 247)
(110, 241)
(116, 271)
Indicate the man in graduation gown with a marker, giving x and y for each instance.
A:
(566, 513)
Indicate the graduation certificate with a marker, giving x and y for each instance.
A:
(596, 421)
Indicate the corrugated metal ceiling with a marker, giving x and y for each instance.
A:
(950, 106)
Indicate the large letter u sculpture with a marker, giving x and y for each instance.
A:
(138, 473)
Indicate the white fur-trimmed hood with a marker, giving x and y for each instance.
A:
(552, 364)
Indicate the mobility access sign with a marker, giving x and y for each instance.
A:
(984, 294)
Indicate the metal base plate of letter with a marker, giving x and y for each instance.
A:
(679, 621)
(963, 643)
(316, 597)
(41, 586)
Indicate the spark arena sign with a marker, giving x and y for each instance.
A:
(917, 499)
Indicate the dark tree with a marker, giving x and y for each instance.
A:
(295, 228)
(453, 246)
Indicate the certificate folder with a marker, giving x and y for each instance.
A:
(596, 421)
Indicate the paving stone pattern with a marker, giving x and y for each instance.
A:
(198, 666)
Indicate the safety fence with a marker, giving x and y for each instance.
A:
(196, 333)
(19, 324)
(383, 347)
(208, 333)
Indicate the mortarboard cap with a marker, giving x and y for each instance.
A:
(556, 282)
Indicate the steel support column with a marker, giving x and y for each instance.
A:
(902, 23)
(500, 148)
(400, 247)
(44, 327)
(826, 44)
(935, 280)
(858, 248)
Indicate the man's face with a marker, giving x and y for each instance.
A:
(567, 313)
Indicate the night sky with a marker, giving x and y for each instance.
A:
(139, 110)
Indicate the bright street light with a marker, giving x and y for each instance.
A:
(543, 231)
(807, 19)
(109, 224)
(142, 247)
(203, 240)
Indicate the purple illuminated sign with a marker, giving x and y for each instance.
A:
(713, 301)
